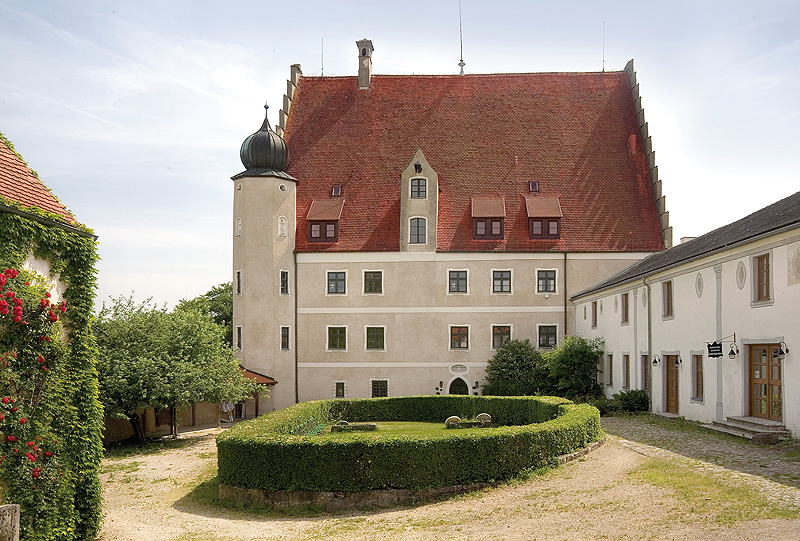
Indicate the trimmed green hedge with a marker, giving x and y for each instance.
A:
(270, 453)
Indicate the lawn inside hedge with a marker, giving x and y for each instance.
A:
(400, 428)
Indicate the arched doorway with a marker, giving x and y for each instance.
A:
(458, 386)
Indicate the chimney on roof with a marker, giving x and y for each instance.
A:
(365, 49)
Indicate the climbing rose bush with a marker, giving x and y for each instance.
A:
(30, 349)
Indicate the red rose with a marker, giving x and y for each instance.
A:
(43, 302)
(30, 444)
(62, 307)
(48, 453)
(53, 317)
(44, 368)
(2, 417)
(40, 359)
(22, 420)
(6, 400)
(12, 439)
(47, 295)
(14, 409)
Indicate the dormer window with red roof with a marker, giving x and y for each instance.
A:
(323, 220)
(544, 217)
(488, 215)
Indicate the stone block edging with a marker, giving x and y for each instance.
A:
(343, 501)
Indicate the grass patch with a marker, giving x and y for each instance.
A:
(719, 500)
(130, 467)
(399, 428)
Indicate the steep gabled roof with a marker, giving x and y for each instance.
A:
(485, 136)
(19, 184)
(778, 216)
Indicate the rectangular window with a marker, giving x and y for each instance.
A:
(337, 338)
(626, 371)
(238, 282)
(457, 281)
(339, 389)
(337, 283)
(544, 228)
(487, 228)
(533, 186)
(379, 388)
(762, 277)
(547, 336)
(375, 338)
(239, 337)
(501, 281)
(417, 235)
(373, 282)
(459, 337)
(284, 338)
(594, 314)
(284, 282)
(500, 335)
(666, 290)
(697, 369)
(610, 370)
(624, 307)
(645, 372)
(336, 191)
(323, 231)
(545, 281)
(418, 188)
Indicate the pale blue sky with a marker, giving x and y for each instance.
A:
(133, 112)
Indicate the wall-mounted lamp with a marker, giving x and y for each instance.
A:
(656, 360)
(418, 167)
(439, 388)
(475, 388)
(678, 360)
(783, 349)
(734, 351)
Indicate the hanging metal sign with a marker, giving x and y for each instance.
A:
(714, 350)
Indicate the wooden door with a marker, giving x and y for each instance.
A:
(766, 388)
(672, 383)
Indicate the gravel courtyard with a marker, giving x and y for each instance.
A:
(652, 479)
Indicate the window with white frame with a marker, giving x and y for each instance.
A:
(457, 281)
(379, 388)
(545, 281)
(501, 281)
(337, 282)
(376, 338)
(337, 338)
(417, 234)
(419, 188)
(340, 389)
(284, 282)
(500, 335)
(285, 344)
(459, 337)
(373, 282)
(547, 335)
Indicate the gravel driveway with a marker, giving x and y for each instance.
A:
(600, 496)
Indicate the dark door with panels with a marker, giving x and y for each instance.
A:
(672, 383)
(766, 388)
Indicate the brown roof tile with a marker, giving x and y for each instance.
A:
(485, 135)
(488, 207)
(542, 206)
(325, 209)
(19, 184)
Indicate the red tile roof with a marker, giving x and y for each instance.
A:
(325, 209)
(19, 184)
(485, 135)
(488, 207)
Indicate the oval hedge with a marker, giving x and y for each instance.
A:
(277, 453)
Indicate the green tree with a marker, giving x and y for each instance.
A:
(153, 358)
(573, 367)
(217, 303)
(517, 368)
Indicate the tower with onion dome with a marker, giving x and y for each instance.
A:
(263, 266)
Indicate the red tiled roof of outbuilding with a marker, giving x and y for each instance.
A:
(485, 136)
(19, 184)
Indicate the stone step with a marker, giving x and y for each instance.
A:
(756, 423)
(750, 433)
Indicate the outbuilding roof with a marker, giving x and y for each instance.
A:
(19, 184)
(486, 136)
(778, 216)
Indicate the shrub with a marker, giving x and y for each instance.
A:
(573, 367)
(517, 368)
(632, 401)
(265, 453)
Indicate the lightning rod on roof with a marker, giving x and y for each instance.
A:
(460, 39)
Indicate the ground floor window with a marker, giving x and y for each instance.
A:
(626, 371)
(697, 376)
(646, 372)
(547, 336)
(339, 388)
(380, 388)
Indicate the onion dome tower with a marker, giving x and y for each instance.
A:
(264, 152)
(264, 227)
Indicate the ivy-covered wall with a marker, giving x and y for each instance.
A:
(67, 407)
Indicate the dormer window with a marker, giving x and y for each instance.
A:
(336, 191)
(488, 216)
(323, 220)
(533, 186)
(544, 217)
(419, 188)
